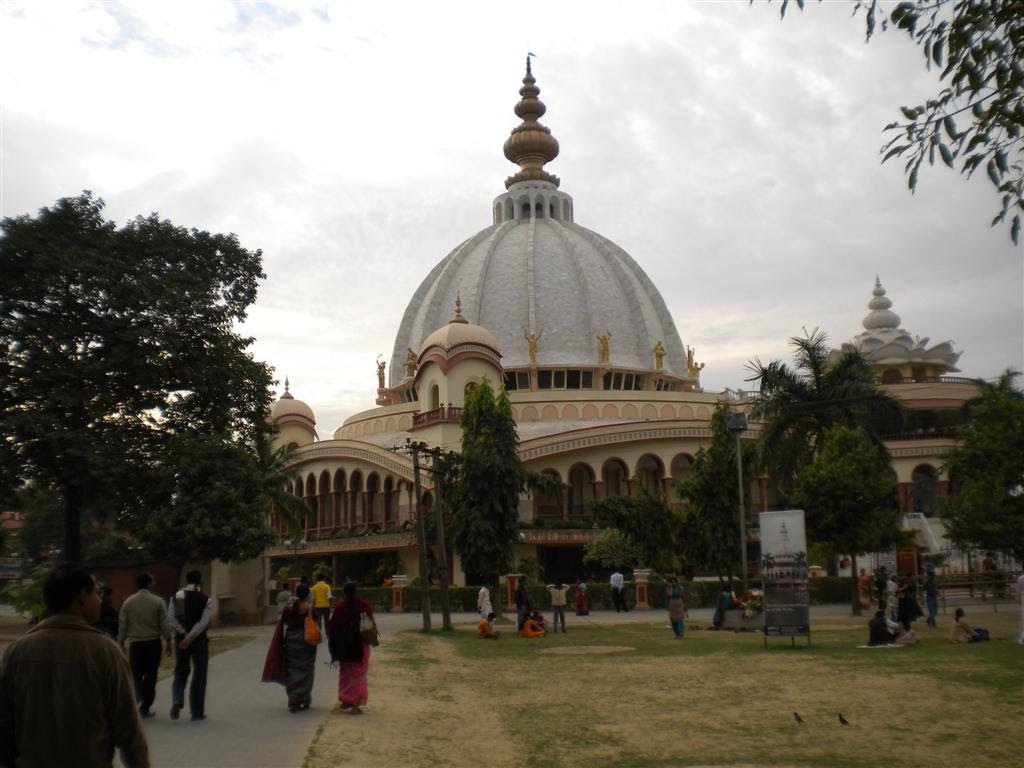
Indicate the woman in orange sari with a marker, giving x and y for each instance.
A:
(349, 650)
(531, 628)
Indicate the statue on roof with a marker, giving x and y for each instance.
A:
(380, 373)
(692, 368)
(659, 355)
(410, 363)
(531, 343)
(603, 348)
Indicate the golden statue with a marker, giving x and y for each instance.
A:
(380, 373)
(692, 368)
(602, 345)
(659, 355)
(410, 363)
(531, 343)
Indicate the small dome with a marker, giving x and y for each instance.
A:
(287, 405)
(460, 331)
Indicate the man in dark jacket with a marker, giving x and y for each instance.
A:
(523, 607)
(189, 616)
(66, 694)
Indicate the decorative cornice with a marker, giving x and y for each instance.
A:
(356, 451)
(620, 434)
(351, 544)
(560, 536)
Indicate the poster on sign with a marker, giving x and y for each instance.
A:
(787, 605)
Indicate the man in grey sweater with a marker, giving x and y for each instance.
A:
(143, 621)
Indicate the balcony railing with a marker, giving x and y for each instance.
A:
(943, 433)
(930, 380)
(446, 414)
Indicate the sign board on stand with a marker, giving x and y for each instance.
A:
(787, 604)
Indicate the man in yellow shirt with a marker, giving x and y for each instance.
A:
(321, 601)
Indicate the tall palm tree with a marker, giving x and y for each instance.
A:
(798, 404)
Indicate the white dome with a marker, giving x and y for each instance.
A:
(553, 278)
(456, 334)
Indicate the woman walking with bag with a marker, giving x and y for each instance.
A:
(351, 632)
(291, 659)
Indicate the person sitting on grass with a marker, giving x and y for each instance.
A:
(962, 632)
(726, 600)
(538, 619)
(531, 628)
(485, 629)
(879, 632)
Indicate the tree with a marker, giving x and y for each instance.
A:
(486, 504)
(986, 469)
(612, 549)
(645, 524)
(848, 493)
(116, 345)
(797, 405)
(979, 47)
(708, 526)
(214, 507)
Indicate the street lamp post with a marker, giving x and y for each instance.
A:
(737, 425)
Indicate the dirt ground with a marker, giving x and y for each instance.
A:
(631, 696)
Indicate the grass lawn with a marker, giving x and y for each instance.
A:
(632, 695)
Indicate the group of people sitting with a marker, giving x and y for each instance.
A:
(883, 631)
(532, 626)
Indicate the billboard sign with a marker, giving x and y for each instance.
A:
(10, 568)
(787, 605)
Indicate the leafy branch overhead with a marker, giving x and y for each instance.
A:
(976, 120)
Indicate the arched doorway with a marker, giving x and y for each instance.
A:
(925, 491)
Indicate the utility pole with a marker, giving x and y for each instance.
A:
(737, 424)
(442, 556)
(421, 535)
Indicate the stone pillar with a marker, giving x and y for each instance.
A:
(398, 584)
(901, 489)
(598, 489)
(642, 577)
(511, 582)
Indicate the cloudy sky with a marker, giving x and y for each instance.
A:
(734, 156)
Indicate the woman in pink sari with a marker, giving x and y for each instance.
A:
(349, 650)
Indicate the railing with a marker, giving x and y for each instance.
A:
(445, 414)
(931, 380)
(923, 434)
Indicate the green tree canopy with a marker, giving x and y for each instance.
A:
(986, 469)
(797, 405)
(708, 526)
(486, 504)
(116, 345)
(612, 549)
(848, 493)
(645, 523)
(976, 120)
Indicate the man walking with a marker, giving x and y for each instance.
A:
(189, 617)
(141, 624)
(557, 591)
(321, 602)
(618, 584)
(65, 689)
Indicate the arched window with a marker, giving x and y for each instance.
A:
(389, 499)
(340, 499)
(373, 504)
(310, 496)
(892, 376)
(553, 210)
(435, 397)
(509, 210)
(614, 475)
(538, 209)
(925, 490)
(548, 504)
(649, 472)
(681, 468)
(581, 490)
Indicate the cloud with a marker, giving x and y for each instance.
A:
(733, 156)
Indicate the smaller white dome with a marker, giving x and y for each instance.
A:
(287, 406)
(456, 334)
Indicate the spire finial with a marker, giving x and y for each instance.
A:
(531, 144)
(880, 316)
(458, 309)
(287, 395)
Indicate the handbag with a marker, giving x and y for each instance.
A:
(313, 635)
(368, 630)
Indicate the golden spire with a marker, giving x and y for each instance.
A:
(458, 309)
(531, 144)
